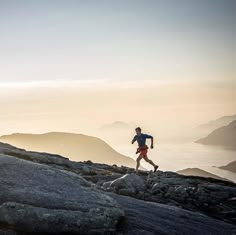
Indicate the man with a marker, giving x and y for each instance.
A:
(143, 148)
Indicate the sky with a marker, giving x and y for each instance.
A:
(77, 65)
(117, 40)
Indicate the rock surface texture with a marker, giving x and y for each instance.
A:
(44, 193)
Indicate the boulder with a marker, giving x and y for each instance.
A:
(38, 198)
(128, 183)
(37, 219)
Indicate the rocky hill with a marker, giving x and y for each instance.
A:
(223, 136)
(76, 147)
(43, 193)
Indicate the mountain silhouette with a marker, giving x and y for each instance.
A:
(223, 136)
(219, 122)
(198, 172)
(76, 147)
(229, 167)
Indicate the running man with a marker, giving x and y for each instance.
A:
(143, 148)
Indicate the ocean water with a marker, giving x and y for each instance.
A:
(174, 157)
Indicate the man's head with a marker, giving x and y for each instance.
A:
(138, 130)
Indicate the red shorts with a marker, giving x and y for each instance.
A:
(143, 150)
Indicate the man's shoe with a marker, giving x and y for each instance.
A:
(155, 168)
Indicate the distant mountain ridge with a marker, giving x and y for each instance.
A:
(229, 167)
(223, 136)
(77, 147)
(219, 122)
(198, 172)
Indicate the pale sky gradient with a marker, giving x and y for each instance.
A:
(122, 40)
(80, 107)
(76, 65)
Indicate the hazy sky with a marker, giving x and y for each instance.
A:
(162, 64)
(166, 107)
(123, 39)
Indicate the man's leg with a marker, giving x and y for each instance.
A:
(138, 162)
(151, 162)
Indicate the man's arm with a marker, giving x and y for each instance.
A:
(150, 137)
(133, 140)
(152, 143)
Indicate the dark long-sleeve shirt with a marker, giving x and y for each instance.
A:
(141, 139)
